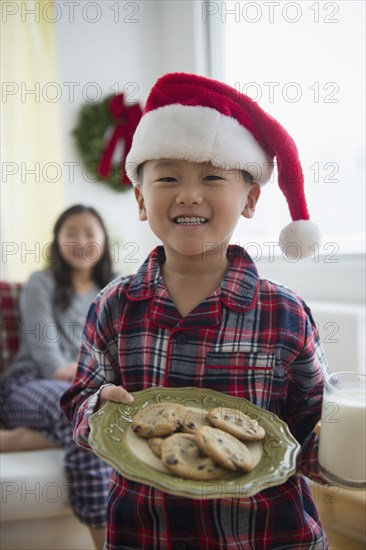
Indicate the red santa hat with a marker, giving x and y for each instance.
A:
(198, 119)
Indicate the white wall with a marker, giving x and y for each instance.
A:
(149, 39)
(334, 289)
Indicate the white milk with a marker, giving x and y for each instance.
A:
(342, 450)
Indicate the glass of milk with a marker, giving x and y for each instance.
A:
(342, 445)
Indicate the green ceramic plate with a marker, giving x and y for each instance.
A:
(113, 440)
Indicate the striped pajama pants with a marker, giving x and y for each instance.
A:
(33, 402)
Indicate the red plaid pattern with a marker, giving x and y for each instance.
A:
(9, 322)
(250, 338)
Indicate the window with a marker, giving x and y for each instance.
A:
(304, 63)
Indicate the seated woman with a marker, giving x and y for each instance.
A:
(54, 304)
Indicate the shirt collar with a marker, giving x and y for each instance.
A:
(144, 283)
(239, 288)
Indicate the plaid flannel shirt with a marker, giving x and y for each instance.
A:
(250, 338)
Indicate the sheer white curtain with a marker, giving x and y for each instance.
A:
(32, 178)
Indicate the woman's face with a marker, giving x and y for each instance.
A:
(81, 241)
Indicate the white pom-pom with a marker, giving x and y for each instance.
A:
(298, 238)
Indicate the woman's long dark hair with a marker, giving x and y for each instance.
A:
(102, 271)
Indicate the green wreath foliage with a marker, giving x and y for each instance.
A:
(94, 120)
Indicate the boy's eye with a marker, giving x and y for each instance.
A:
(167, 179)
(212, 177)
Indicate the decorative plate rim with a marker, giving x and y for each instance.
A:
(108, 439)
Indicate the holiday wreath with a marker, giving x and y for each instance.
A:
(101, 126)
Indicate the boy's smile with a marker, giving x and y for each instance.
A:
(190, 220)
(192, 205)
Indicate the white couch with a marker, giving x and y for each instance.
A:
(35, 510)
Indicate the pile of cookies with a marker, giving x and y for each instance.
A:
(195, 445)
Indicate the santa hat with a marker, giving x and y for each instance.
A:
(194, 118)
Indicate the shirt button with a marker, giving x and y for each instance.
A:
(180, 546)
(181, 339)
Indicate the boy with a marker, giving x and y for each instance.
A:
(197, 313)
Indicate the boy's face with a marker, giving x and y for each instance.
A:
(193, 206)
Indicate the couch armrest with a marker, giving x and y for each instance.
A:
(33, 485)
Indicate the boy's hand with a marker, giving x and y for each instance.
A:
(316, 429)
(113, 393)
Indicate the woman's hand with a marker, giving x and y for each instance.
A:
(113, 393)
(65, 373)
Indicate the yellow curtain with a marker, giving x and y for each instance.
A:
(31, 160)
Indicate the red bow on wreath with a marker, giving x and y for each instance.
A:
(126, 121)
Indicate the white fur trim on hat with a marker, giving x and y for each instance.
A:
(297, 239)
(197, 134)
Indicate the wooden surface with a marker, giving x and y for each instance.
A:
(343, 515)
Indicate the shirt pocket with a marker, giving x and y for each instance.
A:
(241, 374)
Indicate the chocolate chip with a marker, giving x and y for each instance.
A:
(136, 429)
(171, 460)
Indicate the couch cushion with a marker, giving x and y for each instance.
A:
(33, 485)
(9, 322)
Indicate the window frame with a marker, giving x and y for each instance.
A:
(337, 278)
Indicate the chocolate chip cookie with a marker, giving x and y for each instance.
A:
(155, 444)
(158, 420)
(193, 420)
(236, 423)
(224, 449)
(181, 455)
